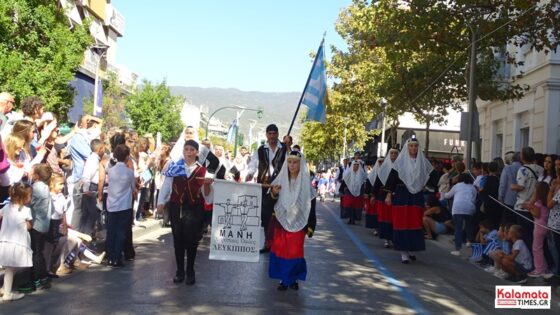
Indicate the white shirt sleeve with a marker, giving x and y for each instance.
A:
(254, 164)
(89, 171)
(451, 193)
(165, 191)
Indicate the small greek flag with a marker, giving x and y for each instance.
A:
(232, 132)
(477, 250)
(490, 246)
(315, 92)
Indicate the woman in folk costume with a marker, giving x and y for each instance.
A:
(384, 213)
(354, 178)
(294, 218)
(186, 188)
(405, 185)
(370, 206)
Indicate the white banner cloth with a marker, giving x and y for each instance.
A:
(236, 221)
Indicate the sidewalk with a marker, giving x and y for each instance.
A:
(139, 230)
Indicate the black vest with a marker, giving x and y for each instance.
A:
(262, 175)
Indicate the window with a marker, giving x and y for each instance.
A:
(524, 137)
(498, 143)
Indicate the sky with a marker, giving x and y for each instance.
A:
(251, 45)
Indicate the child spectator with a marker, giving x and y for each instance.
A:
(487, 241)
(477, 174)
(58, 224)
(121, 188)
(437, 219)
(463, 209)
(539, 211)
(503, 249)
(90, 181)
(41, 211)
(519, 263)
(15, 241)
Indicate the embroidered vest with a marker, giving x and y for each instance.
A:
(188, 190)
(262, 175)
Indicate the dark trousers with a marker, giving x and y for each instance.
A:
(117, 225)
(458, 220)
(90, 213)
(78, 209)
(186, 227)
(129, 252)
(39, 269)
(527, 226)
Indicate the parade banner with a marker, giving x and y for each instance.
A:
(236, 221)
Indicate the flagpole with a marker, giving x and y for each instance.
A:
(306, 83)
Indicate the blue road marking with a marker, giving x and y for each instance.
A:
(410, 299)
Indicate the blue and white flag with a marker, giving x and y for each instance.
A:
(232, 132)
(315, 92)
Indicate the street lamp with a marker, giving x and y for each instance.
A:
(100, 50)
(259, 114)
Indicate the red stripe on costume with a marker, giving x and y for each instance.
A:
(284, 244)
(370, 207)
(354, 202)
(407, 217)
(344, 201)
(384, 212)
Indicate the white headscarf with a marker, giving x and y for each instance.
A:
(372, 176)
(294, 201)
(354, 180)
(413, 174)
(385, 168)
(177, 152)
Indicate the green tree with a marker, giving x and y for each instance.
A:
(39, 52)
(114, 101)
(153, 109)
(415, 53)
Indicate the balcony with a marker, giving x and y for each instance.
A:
(114, 19)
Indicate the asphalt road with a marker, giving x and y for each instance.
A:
(349, 272)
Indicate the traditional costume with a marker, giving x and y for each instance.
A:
(294, 218)
(384, 213)
(354, 192)
(371, 207)
(267, 163)
(406, 183)
(183, 189)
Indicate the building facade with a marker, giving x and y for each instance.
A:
(534, 120)
(107, 25)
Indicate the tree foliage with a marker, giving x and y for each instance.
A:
(153, 109)
(114, 101)
(415, 54)
(39, 52)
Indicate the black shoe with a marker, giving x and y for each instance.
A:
(412, 257)
(51, 275)
(281, 287)
(406, 261)
(43, 284)
(387, 245)
(190, 279)
(264, 250)
(178, 279)
(294, 286)
(27, 287)
(117, 264)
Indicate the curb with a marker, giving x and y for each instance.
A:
(143, 228)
